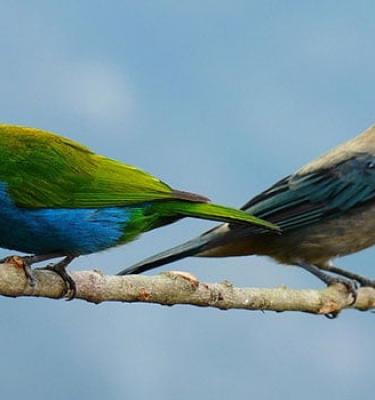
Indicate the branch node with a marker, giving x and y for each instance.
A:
(183, 277)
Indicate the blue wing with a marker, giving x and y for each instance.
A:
(303, 199)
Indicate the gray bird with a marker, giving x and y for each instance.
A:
(325, 210)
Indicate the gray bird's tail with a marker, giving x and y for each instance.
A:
(187, 249)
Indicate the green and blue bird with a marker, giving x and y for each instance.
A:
(59, 199)
(325, 210)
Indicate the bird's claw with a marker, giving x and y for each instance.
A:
(30, 276)
(350, 285)
(332, 315)
(352, 288)
(70, 286)
(22, 262)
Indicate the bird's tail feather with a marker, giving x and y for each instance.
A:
(187, 249)
(202, 243)
(219, 213)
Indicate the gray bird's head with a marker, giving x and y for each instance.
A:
(361, 144)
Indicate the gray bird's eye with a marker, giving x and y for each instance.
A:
(370, 164)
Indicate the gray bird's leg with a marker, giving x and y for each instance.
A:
(25, 262)
(60, 269)
(362, 280)
(330, 280)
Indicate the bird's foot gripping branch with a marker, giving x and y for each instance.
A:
(170, 288)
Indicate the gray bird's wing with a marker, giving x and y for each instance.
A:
(303, 199)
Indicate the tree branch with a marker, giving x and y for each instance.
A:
(170, 288)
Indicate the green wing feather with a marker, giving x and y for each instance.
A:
(45, 170)
(213, 212)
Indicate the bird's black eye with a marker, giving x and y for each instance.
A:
(370, 164)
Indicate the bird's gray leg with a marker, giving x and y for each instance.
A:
(25, 263)
(328, 279)
(362, 280)
(60, 269)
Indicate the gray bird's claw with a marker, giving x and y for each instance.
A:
(350, 285)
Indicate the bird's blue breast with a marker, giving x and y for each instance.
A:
(81, 231)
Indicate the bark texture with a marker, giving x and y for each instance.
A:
(170, 288)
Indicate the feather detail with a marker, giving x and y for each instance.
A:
(303, 199)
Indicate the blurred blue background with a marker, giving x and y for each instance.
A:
(218, 97)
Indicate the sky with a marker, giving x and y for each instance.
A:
(221, 98)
